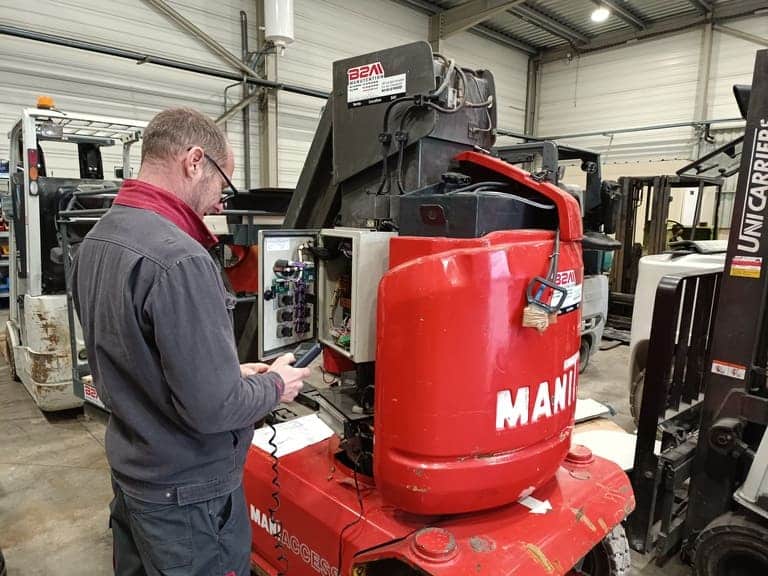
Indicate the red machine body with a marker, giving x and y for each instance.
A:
(473, 413)
(318, 500)
(474, 410)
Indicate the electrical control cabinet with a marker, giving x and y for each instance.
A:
(347, 288)
(320, 284)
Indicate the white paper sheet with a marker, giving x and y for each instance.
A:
(618, 447)
(587, 409)
(293, 435)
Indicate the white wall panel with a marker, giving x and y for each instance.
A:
(733, 60)
(97, 84)
(643, 84)
(648, 83)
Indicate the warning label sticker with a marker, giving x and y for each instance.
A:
(91, 395)
(746, 266)
(567, 279)
(368, 85)
(729, 369)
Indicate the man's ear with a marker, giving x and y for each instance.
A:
(193, 161)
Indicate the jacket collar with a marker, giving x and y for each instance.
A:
(140, 194)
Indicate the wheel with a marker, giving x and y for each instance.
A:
(609, 558)
(9, 357)
(732, 545)
(636, 396)
(584, 352)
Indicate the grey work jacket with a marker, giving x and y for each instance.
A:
(161, 349)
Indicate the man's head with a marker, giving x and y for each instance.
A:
(179, 148)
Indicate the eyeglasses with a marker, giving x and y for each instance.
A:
(227, 181)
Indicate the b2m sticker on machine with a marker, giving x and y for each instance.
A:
(368, 85)
(567, 279)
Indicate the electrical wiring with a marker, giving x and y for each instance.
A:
(281, 557)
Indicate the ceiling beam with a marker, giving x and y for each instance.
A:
(501, 38)
(703, 6)
(545, 22)
(432, 10)
(721, 12)
(623, 13)
(741, 34)
(469, 14)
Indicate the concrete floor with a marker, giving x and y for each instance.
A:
(54, 479)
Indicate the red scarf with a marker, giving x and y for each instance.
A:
(140, 194)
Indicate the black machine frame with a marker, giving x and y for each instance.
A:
(705, 388)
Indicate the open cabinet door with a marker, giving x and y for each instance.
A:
(287, 304)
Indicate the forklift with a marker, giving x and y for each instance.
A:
(599, 201)
(701, 467)
(39, 333)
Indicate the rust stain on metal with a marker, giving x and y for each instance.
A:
(539, 556)
(583, 518)
(40, 367)
(481, 544)
(414, 488)
(602, 524)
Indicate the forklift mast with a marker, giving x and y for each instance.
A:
(735, 398)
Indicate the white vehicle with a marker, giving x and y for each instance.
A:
(704, 256)
(38, 332)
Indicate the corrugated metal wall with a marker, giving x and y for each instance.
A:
(96, 84)
(325, 31)
(647, 83)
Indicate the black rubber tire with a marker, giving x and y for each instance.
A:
(636, 396)
(585, 351)
(609, 558)
(11, 361)
(3, 571)
(732, 545)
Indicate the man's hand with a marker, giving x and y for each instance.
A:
(253, 368)
(292, 377)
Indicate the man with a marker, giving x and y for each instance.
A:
(157, 326)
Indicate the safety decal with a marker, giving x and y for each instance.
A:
(367, 84)
(567, 279)
(746, 266)
(729, 369)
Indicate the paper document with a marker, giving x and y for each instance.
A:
(587, 409)
(293, 435)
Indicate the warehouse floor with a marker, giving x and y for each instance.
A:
(54, 479)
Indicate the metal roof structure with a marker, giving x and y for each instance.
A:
(554, 27)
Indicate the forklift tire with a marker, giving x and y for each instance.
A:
(636, 396)
(11, 361)
(584, 352)
(732, 545)
(609, 558)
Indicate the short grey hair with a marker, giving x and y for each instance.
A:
(176, 130)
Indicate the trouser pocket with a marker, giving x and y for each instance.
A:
(163, 534)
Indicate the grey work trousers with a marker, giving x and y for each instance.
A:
(210, 538)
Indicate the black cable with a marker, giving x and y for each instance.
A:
(356, 520)
(281, 558)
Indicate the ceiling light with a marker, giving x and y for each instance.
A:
(600, 14)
